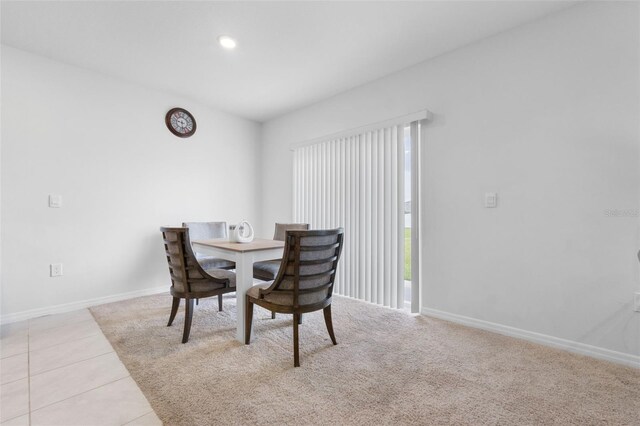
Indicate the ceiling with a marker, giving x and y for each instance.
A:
(289, 54)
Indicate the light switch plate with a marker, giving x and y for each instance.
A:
(55, 201)
(55, 270)
(490, 200)
(636, 302)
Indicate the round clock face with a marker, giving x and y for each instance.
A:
(180, 122)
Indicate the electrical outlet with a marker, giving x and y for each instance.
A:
(490, 200)
(636, 302)
(55, 269)
(55, 201)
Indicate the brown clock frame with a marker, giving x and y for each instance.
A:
(167, 121)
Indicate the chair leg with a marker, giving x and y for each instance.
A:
(329, 322)
(299, 318)
(188, 315)
(273, 315)
(220, 302)
(296, 352)
(248, 317)
(197, 301)
(174, 310)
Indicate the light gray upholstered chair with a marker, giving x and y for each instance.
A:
(208, 231)
(268, 269)
(189, 280)
(304, 282)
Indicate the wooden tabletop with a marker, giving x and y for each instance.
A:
(255, 245)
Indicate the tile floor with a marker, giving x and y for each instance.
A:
(61, 370)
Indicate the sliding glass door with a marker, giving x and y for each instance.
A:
(368, 183)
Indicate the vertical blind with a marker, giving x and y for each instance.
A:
(357, 182)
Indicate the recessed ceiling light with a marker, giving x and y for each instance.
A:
(227, 42)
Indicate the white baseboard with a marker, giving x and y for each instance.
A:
(81, 304)
(543, 339)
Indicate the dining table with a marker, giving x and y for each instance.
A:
(244, 255)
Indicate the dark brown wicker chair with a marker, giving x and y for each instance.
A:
(189, 280)
(304, 282)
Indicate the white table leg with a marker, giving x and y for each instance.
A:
(244, 281)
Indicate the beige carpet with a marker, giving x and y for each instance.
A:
(388, 368)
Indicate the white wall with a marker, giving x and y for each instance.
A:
(547, 116)
(102, 144)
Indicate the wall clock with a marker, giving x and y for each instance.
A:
(180, 122)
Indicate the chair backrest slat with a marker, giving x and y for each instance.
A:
(315, 262)
(318, 248)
